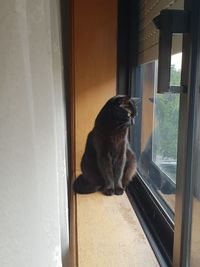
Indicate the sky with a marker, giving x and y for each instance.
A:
(177, 60)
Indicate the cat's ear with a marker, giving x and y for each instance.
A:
(137, 100)
(121, 99)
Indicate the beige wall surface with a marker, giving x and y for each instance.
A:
(33, 211)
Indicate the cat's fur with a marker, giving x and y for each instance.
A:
(108, 163)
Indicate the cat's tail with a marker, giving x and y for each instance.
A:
(83, 186)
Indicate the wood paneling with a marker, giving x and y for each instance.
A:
(93, 50)
(95, 41)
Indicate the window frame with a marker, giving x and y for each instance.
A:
(188, 121)
(158, 228)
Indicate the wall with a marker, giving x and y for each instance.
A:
(33, 207)
(94, 48)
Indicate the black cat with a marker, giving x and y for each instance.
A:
(108, 163)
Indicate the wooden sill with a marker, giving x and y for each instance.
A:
(108, 233)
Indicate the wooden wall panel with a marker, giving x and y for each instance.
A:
(95, 42)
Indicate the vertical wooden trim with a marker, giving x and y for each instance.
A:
(73, 198)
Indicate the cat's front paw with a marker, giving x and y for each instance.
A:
(119, 191)
(108, 191)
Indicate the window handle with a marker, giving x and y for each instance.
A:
(168, 22)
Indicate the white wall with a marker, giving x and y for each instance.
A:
(33, 195)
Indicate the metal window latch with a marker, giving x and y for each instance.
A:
(168, 22)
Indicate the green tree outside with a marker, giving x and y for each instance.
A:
(166, 121)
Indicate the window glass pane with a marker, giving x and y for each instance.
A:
(159, 133)
(165, 134)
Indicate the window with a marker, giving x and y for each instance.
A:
(159, 132)
(166, 191)
(157, 142)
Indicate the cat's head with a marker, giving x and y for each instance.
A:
(118, 112)
(125, 107)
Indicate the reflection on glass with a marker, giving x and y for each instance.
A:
(165, 134)
(159, 134)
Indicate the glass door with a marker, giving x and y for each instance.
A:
(159, 119)
(167, 145)
(166, 137)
